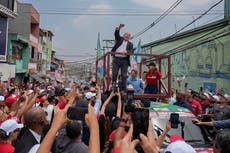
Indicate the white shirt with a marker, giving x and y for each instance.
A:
(36, 136)
(122, 49)
(49, 111)
(34, 149)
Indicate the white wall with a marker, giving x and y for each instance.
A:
(7, 71)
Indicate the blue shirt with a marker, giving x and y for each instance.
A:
(137, 84)
(223, 124)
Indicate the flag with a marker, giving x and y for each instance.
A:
(100, 69)
(99, 50)
(135, 59)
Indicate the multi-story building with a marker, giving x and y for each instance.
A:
(45, 41)
(27, 26)
(7, 11)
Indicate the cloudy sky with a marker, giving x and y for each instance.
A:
(76, 23)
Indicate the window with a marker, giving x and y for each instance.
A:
(17, 53)
(32, 52)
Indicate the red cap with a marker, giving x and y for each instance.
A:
(42, 99)
(11, 100)
(37, 100)
(112, 135)
(175, 138)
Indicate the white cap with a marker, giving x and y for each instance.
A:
(41, 91)
(29, 92)
(206, 95)
(10, 126)
(89, 95)
(2, 98)
(180, 147)
(217, 98)
(227, 96)
(67, 89)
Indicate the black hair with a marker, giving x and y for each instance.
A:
(73, 129)
(3, 136)
(86, 88)
(222, 141)
(135, 71)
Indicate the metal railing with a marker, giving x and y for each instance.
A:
(152, 57)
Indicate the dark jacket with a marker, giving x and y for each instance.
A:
(26, 142)
(119, 41)
(63, 144)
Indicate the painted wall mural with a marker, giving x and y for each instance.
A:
(206, 65)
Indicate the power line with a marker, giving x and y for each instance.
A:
(120, 14)
(199, 17)
(170, 9)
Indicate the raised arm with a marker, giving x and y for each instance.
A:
(106, 103)
(117, 32)
(92, 123)
(119, 105)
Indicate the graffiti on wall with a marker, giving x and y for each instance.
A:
(204, 64)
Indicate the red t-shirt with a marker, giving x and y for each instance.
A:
(151, 78)
(6, 148)
(196, 107)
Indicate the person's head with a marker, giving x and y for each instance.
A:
(35, 119)
(90, 96)
(178, 145)
(223, 100)
(9, 130)
(2, 104)
(222, 141)
(110, 110)
(74, 130)
(86, 89)
(134, 73)
(151, 66)
(92, 89)
(127, 36)
(11, 100)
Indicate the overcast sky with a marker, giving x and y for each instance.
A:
(76, 35)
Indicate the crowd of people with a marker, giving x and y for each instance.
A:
(38, 119)
(44, 118)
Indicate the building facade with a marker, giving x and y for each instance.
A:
(27, 25)
(45, 40)
(8, 9)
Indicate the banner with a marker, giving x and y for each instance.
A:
(3, 38)
(135, 59)
(100, 69)
(99, 49)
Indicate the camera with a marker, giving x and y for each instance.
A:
(129, 106)
(115, 87)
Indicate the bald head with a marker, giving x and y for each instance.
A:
(34, 116)
(127, 36)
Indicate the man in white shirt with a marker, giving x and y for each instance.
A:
(121, 60)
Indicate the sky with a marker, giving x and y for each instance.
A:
(75, 35)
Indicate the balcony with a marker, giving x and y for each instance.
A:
(33, 39)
